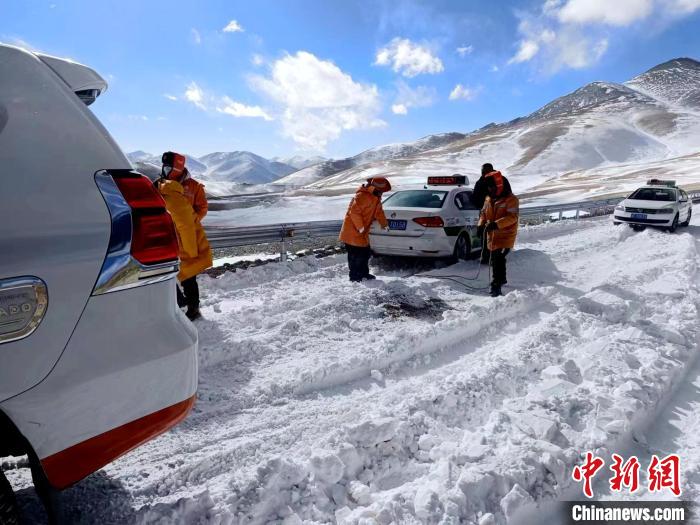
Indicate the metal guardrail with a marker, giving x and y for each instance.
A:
(228, 237)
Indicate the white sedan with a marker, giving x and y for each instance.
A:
(436, 221)
(660, 203)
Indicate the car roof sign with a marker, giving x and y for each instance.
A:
(452, 180)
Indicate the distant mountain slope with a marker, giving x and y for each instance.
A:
(243, 166)
(299, 162)
(600, 124)
(381, 153)
(676, 82)
(194, 165)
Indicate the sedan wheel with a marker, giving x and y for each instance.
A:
(674, 225)
(687, 222)
(462, 250)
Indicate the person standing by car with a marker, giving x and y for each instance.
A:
(477, 197)
(187, 203)
(499, 221)
(364, 209)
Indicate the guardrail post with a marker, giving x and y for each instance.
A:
(561, 214)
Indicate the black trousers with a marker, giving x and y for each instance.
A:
(189, 295)
(498, 263)
(358, 261)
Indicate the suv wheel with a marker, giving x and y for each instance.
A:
(674, 225)
(687, 222)
(8, 503)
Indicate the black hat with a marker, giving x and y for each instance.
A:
(486, 168)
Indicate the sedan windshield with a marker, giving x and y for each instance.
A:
(654, 194)
(416, 199)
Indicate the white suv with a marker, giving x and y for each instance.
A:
(660, 203)
(95, 356)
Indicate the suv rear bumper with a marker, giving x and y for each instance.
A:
(127, 374)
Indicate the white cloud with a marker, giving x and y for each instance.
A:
(681, 7)
(465, 50)
(557, 45)
(142, 118)
(527, 50)
(210, 102)
(408, 97)
(494, 69)
(236, 109)
(317, 100)
(233, 27)
(196, 37)
(170, 97)
(257, 60)
(195, 95)
(408, 58)
(616, 13)
(461, 92)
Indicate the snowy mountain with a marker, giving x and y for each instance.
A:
(381, 153)
(676, 82)
(299, 162)
(243, 166)
(649, 118)
(140, 158)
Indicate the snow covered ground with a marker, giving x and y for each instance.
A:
(412, 399)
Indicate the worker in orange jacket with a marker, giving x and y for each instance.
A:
(364, 209)
(499, 220)
(186, 202)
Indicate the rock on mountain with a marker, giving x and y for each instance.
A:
(676, 82)
(244, 167)
(650, 117)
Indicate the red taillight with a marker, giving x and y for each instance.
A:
(153, 239)
(430, 222)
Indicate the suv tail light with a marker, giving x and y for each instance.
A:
(153, 239)
(430, 222)
(143, 244)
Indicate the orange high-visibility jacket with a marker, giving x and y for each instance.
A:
(365, 207)
(195, 253)
(504, 212)
(194, 191)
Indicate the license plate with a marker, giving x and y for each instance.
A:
(397, 225)
(639, 216)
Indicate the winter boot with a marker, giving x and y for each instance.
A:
(496, 290)
(369, 277)
(193, 313)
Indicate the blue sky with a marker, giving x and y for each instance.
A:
(283, 77)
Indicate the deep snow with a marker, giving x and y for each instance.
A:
(411, 399)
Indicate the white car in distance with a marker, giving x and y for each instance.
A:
(660, 203)
(438, 220)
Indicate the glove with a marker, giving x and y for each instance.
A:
(491, 226)
(480, 230)
(361, 230)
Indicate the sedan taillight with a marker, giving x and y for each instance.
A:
(430, 222)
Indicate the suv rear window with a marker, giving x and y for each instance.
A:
(654, 194)
(417, 199)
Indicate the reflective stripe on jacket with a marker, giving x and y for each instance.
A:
(195, 253)
(365, 207)
(504, 212)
